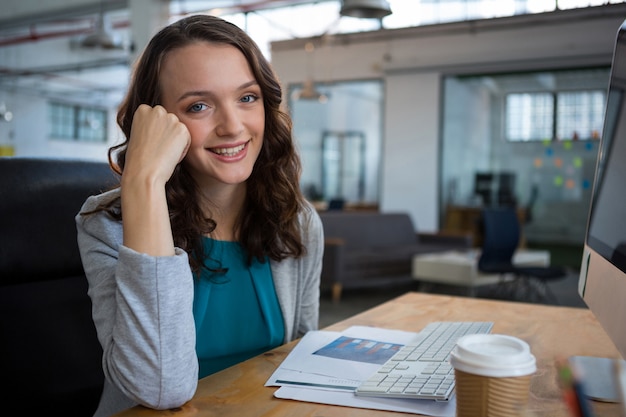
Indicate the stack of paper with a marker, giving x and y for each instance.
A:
(325, 367)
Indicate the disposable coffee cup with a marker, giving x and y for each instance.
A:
(492, 374)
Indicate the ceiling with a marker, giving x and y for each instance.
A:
(18, 13)
(42, 44)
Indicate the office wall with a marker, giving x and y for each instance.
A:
(411, 148)
(412, 62)
(101, 85)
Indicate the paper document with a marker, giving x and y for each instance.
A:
(325, 367)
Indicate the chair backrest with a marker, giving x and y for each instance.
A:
(336, 204)
(50, 357)
(501, 236)
(365, 229)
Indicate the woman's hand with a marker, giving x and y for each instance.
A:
(158, 142)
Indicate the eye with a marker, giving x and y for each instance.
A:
(250, 98)
(197, 107)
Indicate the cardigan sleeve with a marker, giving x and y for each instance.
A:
(143, 312)
(297, 280)
(311, 270)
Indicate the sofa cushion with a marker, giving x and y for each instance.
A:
(391, 260)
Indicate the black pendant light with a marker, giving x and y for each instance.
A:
(365, 9)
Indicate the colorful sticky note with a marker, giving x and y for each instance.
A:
(558, 181)
(578, 162)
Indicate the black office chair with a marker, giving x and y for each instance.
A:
(336, 204)
(501, 235)
(50, 357)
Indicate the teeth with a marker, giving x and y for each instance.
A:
(229, 151)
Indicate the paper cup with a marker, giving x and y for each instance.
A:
(493, 375)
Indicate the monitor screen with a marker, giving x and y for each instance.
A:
(602, 283)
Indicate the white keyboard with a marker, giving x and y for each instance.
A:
(421, 369)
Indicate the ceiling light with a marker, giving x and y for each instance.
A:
(365, 9)
(309, 92)
(101, 38)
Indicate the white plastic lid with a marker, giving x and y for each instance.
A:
(493, 355)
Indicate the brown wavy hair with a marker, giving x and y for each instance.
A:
(268, 225)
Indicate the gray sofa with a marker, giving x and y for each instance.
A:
(369, 249)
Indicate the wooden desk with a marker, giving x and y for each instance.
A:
(552, 332)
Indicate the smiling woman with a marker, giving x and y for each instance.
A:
(216, 97)
(207, 254)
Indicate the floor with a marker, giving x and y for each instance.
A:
(356, 301)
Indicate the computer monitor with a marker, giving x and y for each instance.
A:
(602, 281)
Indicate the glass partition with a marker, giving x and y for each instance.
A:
(494, 123)
(339, 147)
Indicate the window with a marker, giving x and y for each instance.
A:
(580, 114)
(529, 116)
(557, 115)
(77, 123)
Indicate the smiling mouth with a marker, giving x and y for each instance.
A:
(229, 151)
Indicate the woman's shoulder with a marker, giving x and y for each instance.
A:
(97, 228)
(310, 221)
(91, 217)
(94, 201)
(309, 213)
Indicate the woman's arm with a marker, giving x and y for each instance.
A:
(158, 142)
(141, 286)
(142, 309)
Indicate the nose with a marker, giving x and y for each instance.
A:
(229, 121)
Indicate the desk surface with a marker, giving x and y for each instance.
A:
(552, 332)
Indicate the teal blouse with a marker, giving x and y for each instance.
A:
(236, 312)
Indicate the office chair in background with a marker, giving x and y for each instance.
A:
(336, 204)
(501, 236)
(50, 357)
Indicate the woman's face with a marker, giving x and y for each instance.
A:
(211, 89)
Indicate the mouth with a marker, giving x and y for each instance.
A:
(229, 152)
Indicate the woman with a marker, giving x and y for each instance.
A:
(207, 253)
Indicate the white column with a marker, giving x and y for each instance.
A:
(147, 17)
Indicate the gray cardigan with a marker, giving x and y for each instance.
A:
(142, 309)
